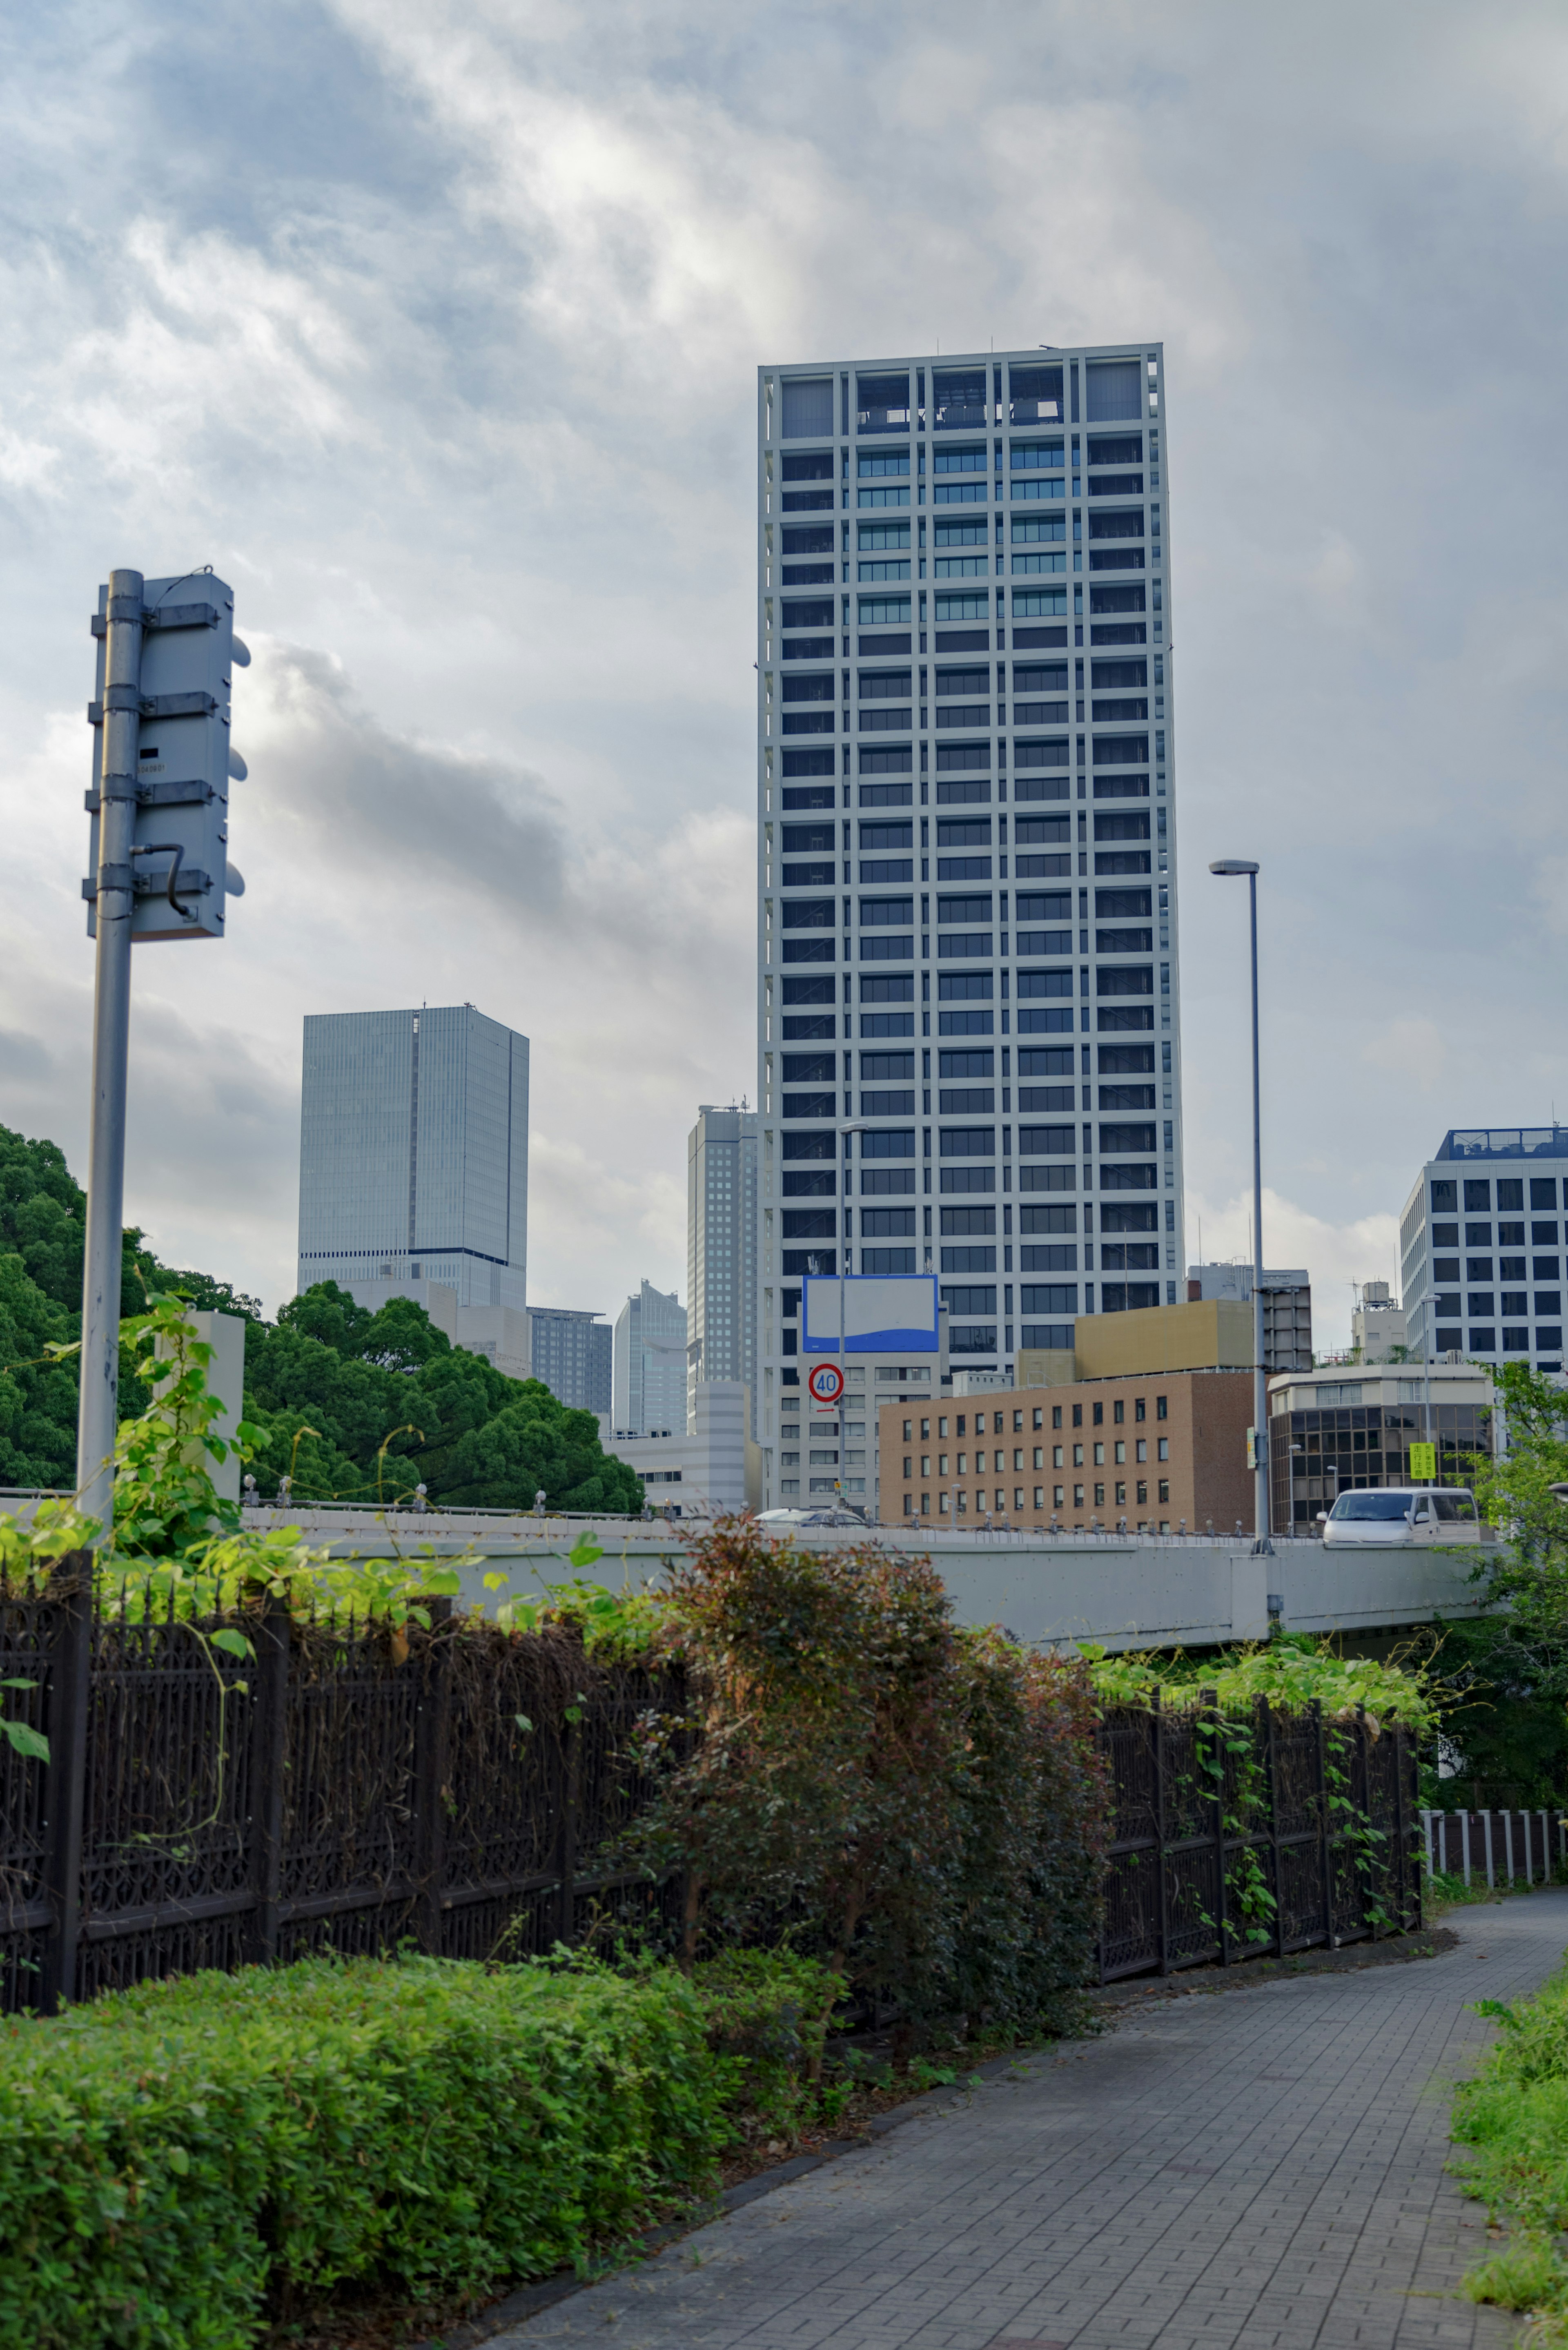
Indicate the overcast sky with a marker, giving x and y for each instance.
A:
(433, 330)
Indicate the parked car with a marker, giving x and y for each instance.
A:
(1384, 1515)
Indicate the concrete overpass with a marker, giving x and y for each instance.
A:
(1125, 1591)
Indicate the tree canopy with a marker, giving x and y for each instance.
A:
(355, 1405)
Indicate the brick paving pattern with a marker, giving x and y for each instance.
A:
(1252, 2169)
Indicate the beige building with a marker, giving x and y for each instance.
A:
(1163, 1450)
(1212, 1335)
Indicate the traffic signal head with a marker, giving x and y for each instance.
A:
(182, 876)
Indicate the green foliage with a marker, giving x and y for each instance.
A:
(1502, 1678)
(1512, 2119)
(210, 2153)
(43, 1226)
(768, 2012)
(331, 1384)
(1290, 1670)
(894, 1786)
(357, 1405)
(1501, 1682)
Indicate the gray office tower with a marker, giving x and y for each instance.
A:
(967, 937)
(413, 1154)
(570, 1352)
(722, 1250)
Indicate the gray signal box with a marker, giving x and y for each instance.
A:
(182, 877)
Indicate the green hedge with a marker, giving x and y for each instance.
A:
(180, 2161)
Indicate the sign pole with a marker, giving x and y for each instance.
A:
(114, 905)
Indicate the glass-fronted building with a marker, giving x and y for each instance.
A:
(967, 934)
(1333, 1430)
(1481, 1246)
(413, 1152)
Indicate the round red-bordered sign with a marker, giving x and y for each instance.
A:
(825, 1383)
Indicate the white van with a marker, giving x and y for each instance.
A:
(1382, 1515)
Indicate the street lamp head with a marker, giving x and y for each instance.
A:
(1227, 865)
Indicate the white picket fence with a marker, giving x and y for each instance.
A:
(1501, 1846)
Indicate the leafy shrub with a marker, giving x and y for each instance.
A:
(1291, 1670)
(921, 1802)
(1512, 2119)
(181, 2161)
(767, 2011)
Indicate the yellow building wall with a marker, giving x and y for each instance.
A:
(1210, 1333)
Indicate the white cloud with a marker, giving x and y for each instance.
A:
(1337, 1257)
(434, 327)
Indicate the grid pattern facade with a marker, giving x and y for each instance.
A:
(413, 1154)
(966, 840)
(722, 1248)
(1480, 1244)
(570, 1353)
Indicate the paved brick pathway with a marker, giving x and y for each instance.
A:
(1258, 2169)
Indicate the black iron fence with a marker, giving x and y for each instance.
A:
(342, 1785)
(211, 1800)
(1236, 1834)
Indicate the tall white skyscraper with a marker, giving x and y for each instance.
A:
(413, 1153)
(722, 1248)
(648, 1367)
(967, 942)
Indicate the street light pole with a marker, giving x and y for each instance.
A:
(1227, 867)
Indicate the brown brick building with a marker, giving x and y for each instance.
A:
(1160, 1451)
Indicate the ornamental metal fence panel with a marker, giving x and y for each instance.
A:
(1238, 1834)
(344, 1784)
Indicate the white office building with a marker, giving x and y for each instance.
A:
(1377, 1328)
(967, 936)
(1481, 1247)
(414, 1156)
(649, 1365)
(721, 1298)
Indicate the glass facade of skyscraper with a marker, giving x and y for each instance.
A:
(413, 1159)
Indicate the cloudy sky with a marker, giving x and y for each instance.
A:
(433, 328)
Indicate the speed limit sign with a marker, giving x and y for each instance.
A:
(825, 1383)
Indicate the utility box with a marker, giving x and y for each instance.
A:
(181, 875)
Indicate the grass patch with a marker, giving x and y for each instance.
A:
(1513, 2122)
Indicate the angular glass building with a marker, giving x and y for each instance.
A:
(967, 935)
(413, 1152)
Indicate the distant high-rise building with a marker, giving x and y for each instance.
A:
(1287, 1307)
(722, 1248)
(1481, 1246)
(649, 1391)
(570, 1352)
(969, 1028)
(413, 1154)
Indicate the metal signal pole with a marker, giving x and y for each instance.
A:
(111, 1047)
